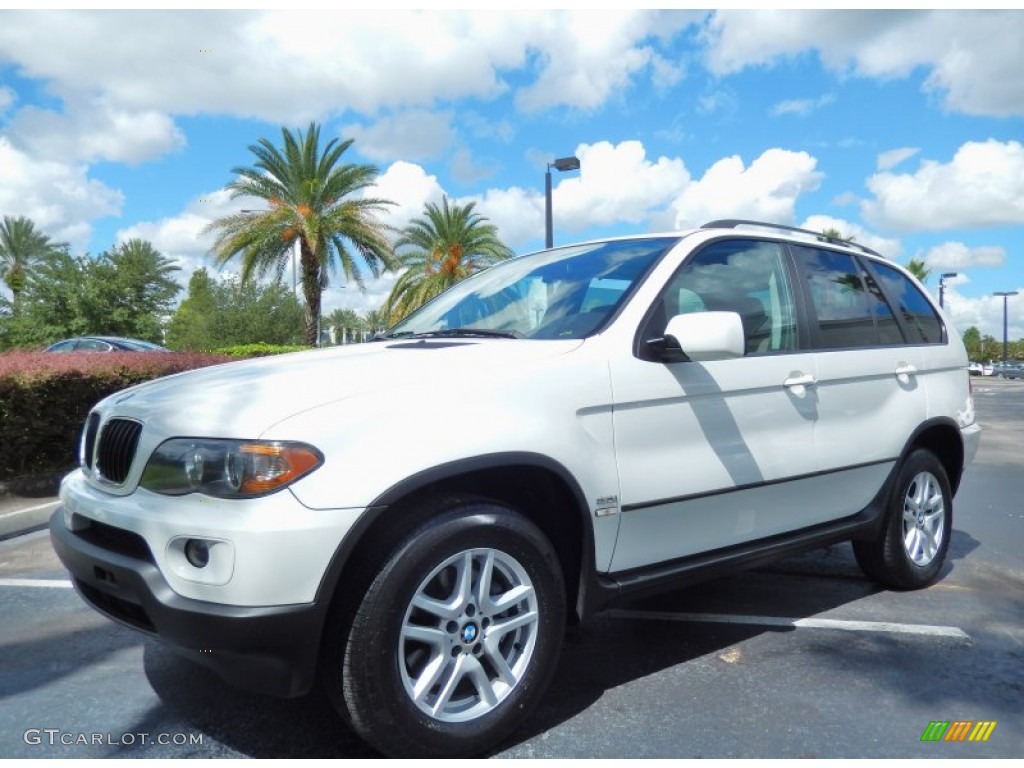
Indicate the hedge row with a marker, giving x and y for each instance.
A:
(45, 398)
(258, 350)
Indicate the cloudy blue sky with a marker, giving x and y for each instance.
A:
(903, 129)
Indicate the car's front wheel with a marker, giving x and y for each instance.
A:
(915, 536)
(456, 637)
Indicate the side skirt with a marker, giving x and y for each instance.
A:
(611, 589)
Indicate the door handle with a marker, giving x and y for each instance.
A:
(797, 379)
(904, 371)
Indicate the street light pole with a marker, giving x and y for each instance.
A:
(571, 163)
(295, 253)
(942, 284)
(1005, 295)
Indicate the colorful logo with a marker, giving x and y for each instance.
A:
(958, 730)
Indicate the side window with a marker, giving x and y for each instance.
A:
(851, 309)
(743, 276)
(93, 345)
(920, 317)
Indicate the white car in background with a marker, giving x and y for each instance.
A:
(411, 522)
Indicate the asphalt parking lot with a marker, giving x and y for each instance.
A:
(805, 658)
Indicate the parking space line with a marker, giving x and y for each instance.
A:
(783, 621)
(28, 509)
(58, 583)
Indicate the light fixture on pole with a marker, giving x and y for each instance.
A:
(561, 164)
(1005, 295)
(942, 284)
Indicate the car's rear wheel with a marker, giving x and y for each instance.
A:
(911, 548)
(456, 638)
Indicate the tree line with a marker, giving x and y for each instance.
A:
(312, 203)
(310, 200)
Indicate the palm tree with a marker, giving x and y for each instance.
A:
(347, 324)
(447, 245)
(376, 320)
(831, 233)
(917, 268)
(22, 246)
(311, 197)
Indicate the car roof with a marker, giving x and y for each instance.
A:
(751, 228)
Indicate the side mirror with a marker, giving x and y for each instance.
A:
(701, 336)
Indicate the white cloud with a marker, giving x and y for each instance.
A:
(7, 98)
(482, 128)
(986, 314)
(517, 213)
(182, 239)
(893, 157)
(416, 134)
(410, 188)
(967, 53)
(466, 169)
(954, 255)
(293, 66)
(95, 130)
(802, 107)
(888, 247)
(59, 197)
(587, 56)
(720, 101)
(983, 185)
(616, 183)
(665, 73)
(766, 190)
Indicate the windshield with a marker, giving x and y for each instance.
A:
(567, 293)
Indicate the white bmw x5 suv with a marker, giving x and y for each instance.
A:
(411, 522)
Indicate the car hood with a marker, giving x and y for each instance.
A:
(245, 399)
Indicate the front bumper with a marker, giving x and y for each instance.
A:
(267, 649)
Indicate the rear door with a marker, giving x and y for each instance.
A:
(870, 394)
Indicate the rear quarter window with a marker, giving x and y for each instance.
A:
(850, 310)
(919, 316)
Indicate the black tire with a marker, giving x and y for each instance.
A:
(912, 545)
(375, 660)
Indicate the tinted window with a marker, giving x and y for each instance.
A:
(743, 276)
(917, 312)
(92, 345)
(851, 309)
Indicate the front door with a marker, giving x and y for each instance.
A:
(711, 454)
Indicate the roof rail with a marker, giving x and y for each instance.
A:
(734, 223)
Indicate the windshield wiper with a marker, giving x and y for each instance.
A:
(470, 332)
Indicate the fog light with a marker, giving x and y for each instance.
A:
(197, 552)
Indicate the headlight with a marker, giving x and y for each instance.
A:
(230, 469)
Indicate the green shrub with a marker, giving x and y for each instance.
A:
(258, 350)
(45, 398)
